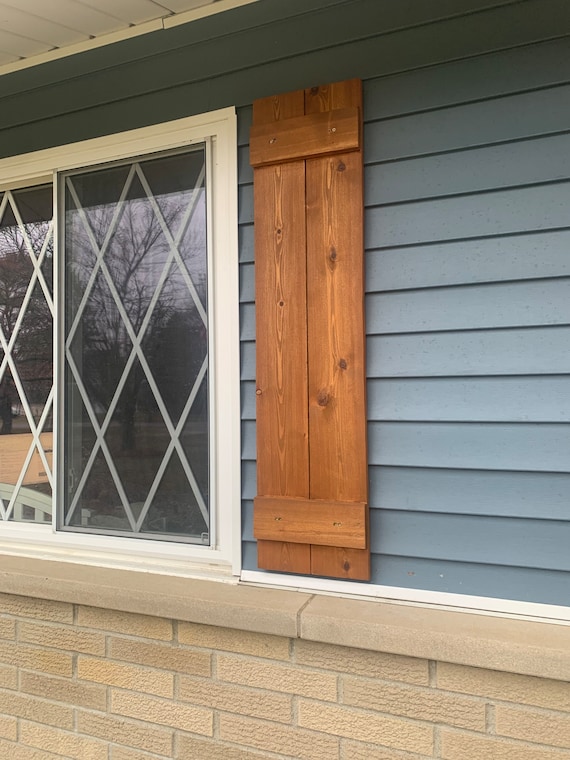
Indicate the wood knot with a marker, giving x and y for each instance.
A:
(342, 364)
(281, 303)
(322, 398)
(346, 566)
(333, 254)
(258, 391)
(314, 90)
(341, 166)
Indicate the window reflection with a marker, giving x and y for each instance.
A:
(26, 353)
(136, 443)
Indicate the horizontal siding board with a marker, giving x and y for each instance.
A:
(244, 122)
(481, 446)
(248, 481)
(247, 520)
(245, 237)
(247, 321)
(248, 400)
(247, 350)
(507, 399)
(249, 557)
(471, 492)
(245, 204)
(246, 283)
(529, 303)
(513, 117)
(474, 79)
(470, 261)
(530, 209)
(248, 449)
(496, 581)
(473, 538)
(245, 169)
(471, 171)
(480, 352)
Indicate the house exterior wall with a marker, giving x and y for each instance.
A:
(466, 144)
(467, 309)
(466, 232)
(95, 684)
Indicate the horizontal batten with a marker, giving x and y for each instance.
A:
(305, 136)
(310, 521)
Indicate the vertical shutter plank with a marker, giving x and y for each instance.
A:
(335, 280)
(281, 315)
(337, 409)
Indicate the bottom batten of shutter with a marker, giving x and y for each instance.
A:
(326, 538)
(310, 521)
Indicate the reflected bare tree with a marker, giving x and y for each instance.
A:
(134, 259)
(32, 350)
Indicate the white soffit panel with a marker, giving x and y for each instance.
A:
(34, 32)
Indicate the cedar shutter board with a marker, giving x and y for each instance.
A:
(311, 403)
(332, 131)
(282, 427)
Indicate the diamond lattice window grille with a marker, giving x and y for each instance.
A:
(26, 366)
(137, 257)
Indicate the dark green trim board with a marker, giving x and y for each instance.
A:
(234, 57)
(467, 232)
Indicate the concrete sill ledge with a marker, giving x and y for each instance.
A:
(497, 643)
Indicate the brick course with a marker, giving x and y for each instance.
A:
(93, 684)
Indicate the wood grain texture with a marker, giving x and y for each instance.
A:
(284, 557)
(281, 316)
(305, 136)
(335, 281)
(309, 247)
(336, 332)
(310, 521)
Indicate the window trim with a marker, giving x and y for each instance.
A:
(218, 130)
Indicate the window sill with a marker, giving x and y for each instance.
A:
(498, 643)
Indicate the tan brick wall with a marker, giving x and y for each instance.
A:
(89, 684)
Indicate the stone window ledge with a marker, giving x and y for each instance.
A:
(466, 638)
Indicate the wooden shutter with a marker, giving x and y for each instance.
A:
(311, 512)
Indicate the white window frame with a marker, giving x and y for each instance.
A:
(218, 130)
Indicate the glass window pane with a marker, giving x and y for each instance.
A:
(136, 387)
(26, 354)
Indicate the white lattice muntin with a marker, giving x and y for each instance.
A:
(142, 284)
(26, 368)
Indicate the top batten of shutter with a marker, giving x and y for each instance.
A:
(301, 137)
